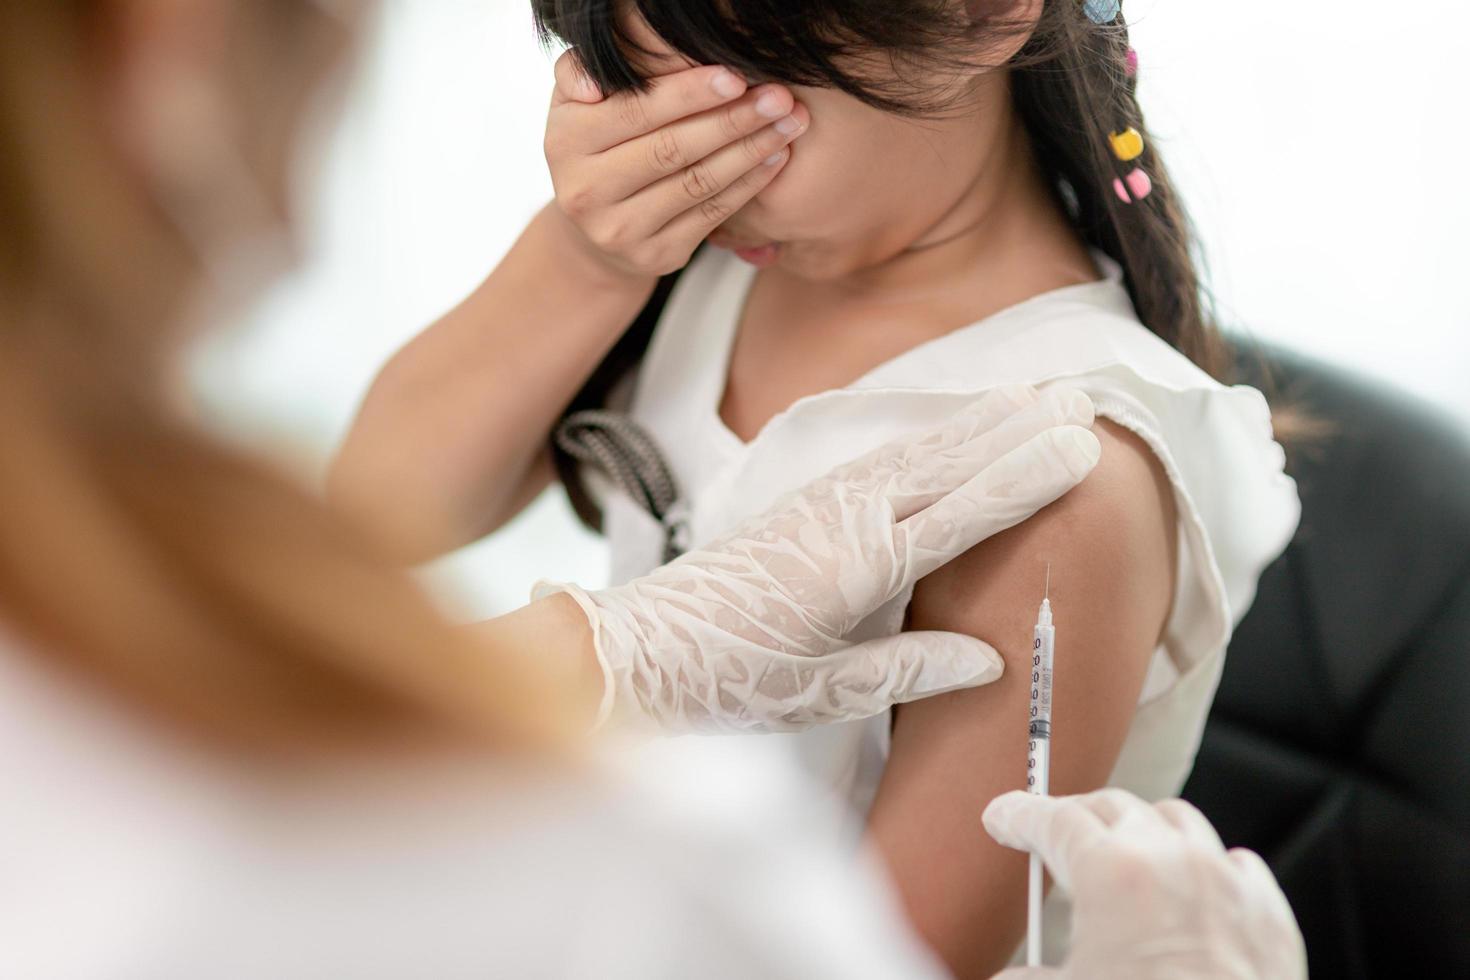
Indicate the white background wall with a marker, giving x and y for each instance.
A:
(1321, 147)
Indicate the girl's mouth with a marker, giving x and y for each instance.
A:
(759, 256)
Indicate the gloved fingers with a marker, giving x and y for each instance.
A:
(1114, 806)
(1260, 883)
(985, 413)
(1255, 877)
(1000, 496)
(877, 674)
(979, 416)
(1058, 405)
(930, 474)
(1058, 829)
(1191, 824)
(1130, 821)
(1281, 946)
(790, 693)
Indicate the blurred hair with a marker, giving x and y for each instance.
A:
(137, 552)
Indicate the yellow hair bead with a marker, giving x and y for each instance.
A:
(1127, 145)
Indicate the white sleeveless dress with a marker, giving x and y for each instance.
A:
(1237, 509)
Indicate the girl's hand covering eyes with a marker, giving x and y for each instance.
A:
(749, 633)
(646, 176)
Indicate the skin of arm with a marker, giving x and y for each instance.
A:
(556, 630)
(1112, 545)
(451, 440)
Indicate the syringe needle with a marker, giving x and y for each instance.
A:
(1048, 581)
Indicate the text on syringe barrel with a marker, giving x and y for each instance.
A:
(1039, 724)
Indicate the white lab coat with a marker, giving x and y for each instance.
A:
(125, 854)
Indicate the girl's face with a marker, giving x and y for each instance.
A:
(862, 185)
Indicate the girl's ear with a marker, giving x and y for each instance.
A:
(1015, 21)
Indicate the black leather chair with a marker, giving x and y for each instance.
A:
(1339, 745)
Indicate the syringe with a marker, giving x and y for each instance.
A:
(1038, 755)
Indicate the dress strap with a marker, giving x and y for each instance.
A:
(628, 456)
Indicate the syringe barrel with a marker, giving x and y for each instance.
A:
(1038, 758)
(1038, 744)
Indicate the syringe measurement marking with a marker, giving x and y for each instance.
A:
(1038, 756)
(1039, 727)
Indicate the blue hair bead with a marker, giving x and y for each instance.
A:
(1102, 11)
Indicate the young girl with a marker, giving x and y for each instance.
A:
(912, 204)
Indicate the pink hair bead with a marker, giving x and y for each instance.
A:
(1131, 63)
(1133, 188)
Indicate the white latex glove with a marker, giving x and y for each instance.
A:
(746, 634)
(1154, 892)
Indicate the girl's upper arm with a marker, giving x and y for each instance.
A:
(1111, 545)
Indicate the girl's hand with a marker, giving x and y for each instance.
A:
(645, 177)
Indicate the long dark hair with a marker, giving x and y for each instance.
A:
(1071, 86)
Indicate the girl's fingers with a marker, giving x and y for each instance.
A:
(573, 84)
(618, 118)
(688, 205)
(646, 176)
(711, 176)
(687, 229)
(638, 163)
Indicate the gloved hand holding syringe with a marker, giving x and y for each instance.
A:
(1122, 860)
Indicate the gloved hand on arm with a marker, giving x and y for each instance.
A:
(746, 634)
(1155, 894)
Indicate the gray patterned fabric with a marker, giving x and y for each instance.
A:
(626, 454)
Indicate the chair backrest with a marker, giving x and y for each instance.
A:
(1339, 744)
